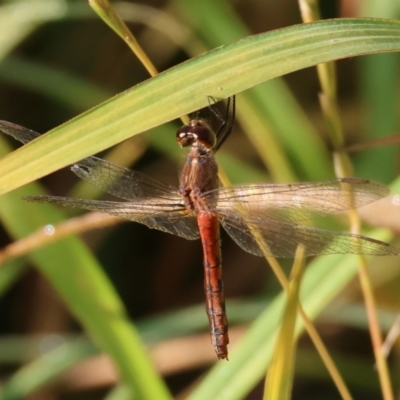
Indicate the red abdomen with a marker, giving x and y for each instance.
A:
(213, 286)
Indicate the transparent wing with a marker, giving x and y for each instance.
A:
(123, 182)
(298, 201)
(280, 239)
(165, 213)
(109, 177)
(18, 132)
(156, 214)
(150, 202)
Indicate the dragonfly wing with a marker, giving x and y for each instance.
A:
(299, 201)
(280, 239)
(109, 177)
(167, 217)
(18, 132)
(121, 182)
(165, 214)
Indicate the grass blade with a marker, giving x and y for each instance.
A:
(183, 89)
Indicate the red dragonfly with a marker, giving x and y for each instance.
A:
(199, 205)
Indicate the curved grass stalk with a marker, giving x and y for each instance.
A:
(342, 163)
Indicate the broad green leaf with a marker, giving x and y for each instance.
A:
(264, 110)
(82, 284)
(222, 72)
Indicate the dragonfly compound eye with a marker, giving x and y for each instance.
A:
(197, 132)
(184, 136)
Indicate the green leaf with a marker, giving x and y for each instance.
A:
(222, 72)
(82, 284)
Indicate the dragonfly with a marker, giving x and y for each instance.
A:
(198, 207)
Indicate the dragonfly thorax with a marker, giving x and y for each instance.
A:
(196, 133)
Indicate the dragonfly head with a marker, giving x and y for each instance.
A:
(196, 133)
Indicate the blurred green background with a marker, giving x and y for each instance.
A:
(58, 59)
